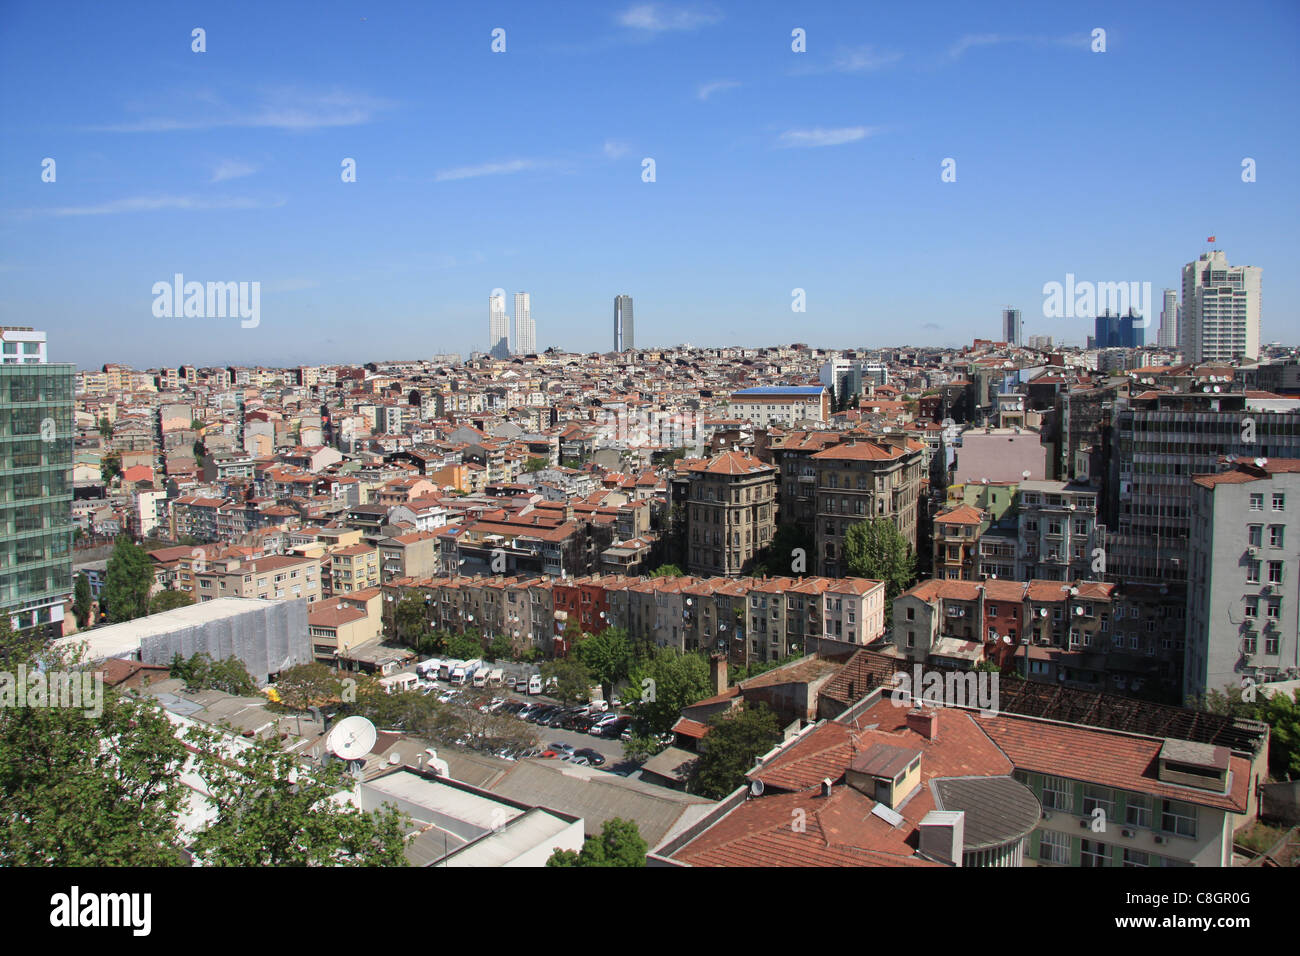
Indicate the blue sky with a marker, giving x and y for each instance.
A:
(522, 170)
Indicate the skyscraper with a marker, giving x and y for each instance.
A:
(623, 330)
(1011, 326)
(1220, 309)
(498, 327)
(1168, 336)
(36, 439)
(525, 328)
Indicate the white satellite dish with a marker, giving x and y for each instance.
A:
(352, 738)
(1042, 612)
(756, 788)
(1024, 474)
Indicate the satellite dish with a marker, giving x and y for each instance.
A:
(1074, 591)
(1007, 639)
(1042, 612)
(756, 788)
(1261, 462)
(352, 738)
(1024, 474)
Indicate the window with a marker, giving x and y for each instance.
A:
(1256, 535)
(1093, 853)
(1256, 502)
(1179, 818)
(1054, 848)
(1137, 811)
(1252, 607)
(1275, 533)
(1279, 501)
(1136, 858)
(1275, 572)
(1098, 797)
(1058, 794)
(1252, 572)
(1274, 608)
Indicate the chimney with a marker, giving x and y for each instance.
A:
(924, 721)
(718, 673)
(826, 786)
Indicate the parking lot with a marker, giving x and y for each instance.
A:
(610, 749)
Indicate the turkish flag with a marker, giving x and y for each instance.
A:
(1211, 239)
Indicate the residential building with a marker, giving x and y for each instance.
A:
(1243, 562)
(1221, 310)
(788, 405)
(731, 513)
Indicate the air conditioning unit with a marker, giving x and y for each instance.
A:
(1253, 551)
(1159, 839)
(1127, 833)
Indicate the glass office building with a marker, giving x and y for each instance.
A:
(36, 443)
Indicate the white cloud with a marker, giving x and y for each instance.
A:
(231, 169)
(974, 40)
(658, 18)
(717, 86)
(864, 58)
(484, 169)
(156, 203)
(615, 149)
(285, 110)
(818, 136)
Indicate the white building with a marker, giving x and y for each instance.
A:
(1221, 308)
(20, 345)
(525, 327)
(1168, 336)
(498, 327)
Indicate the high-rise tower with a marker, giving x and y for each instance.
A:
(624, 339)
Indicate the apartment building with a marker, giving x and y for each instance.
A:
(788, 405)
(1058, 531)
(282, 577)
(956, 540)
(1244, 556)
(861, 479)
(353, 568)
(730, 512)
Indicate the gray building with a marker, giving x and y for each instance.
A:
(267, 636)
(624, 331)
(1058, 531)
(1242, 595)
(1011, 328)
(36, 526)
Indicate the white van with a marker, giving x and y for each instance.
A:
(496, 677)
(397, 683)
(481, 677)
(535, 684)
(428, 669)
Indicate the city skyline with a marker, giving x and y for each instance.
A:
(755, 193)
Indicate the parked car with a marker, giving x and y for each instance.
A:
(614, 728)
(602, 722)
(593, 757)
(560, 747)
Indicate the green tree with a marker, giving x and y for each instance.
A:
(105, 428)
(661, 685)
(1282, 713)
(127, 582)
(272, 810)
(667, 571)
(875, 549)
(110, 467)
(168, 600)
(201, 672)
(82, 789)
(307, 685)
(411, 619)
(81, 600)
(572, 679)
(535, 464)
(620, 844)
(727, 752)
(499, 648)
(608, 655)
(466, 646)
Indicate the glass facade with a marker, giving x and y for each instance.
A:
(36, 455)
